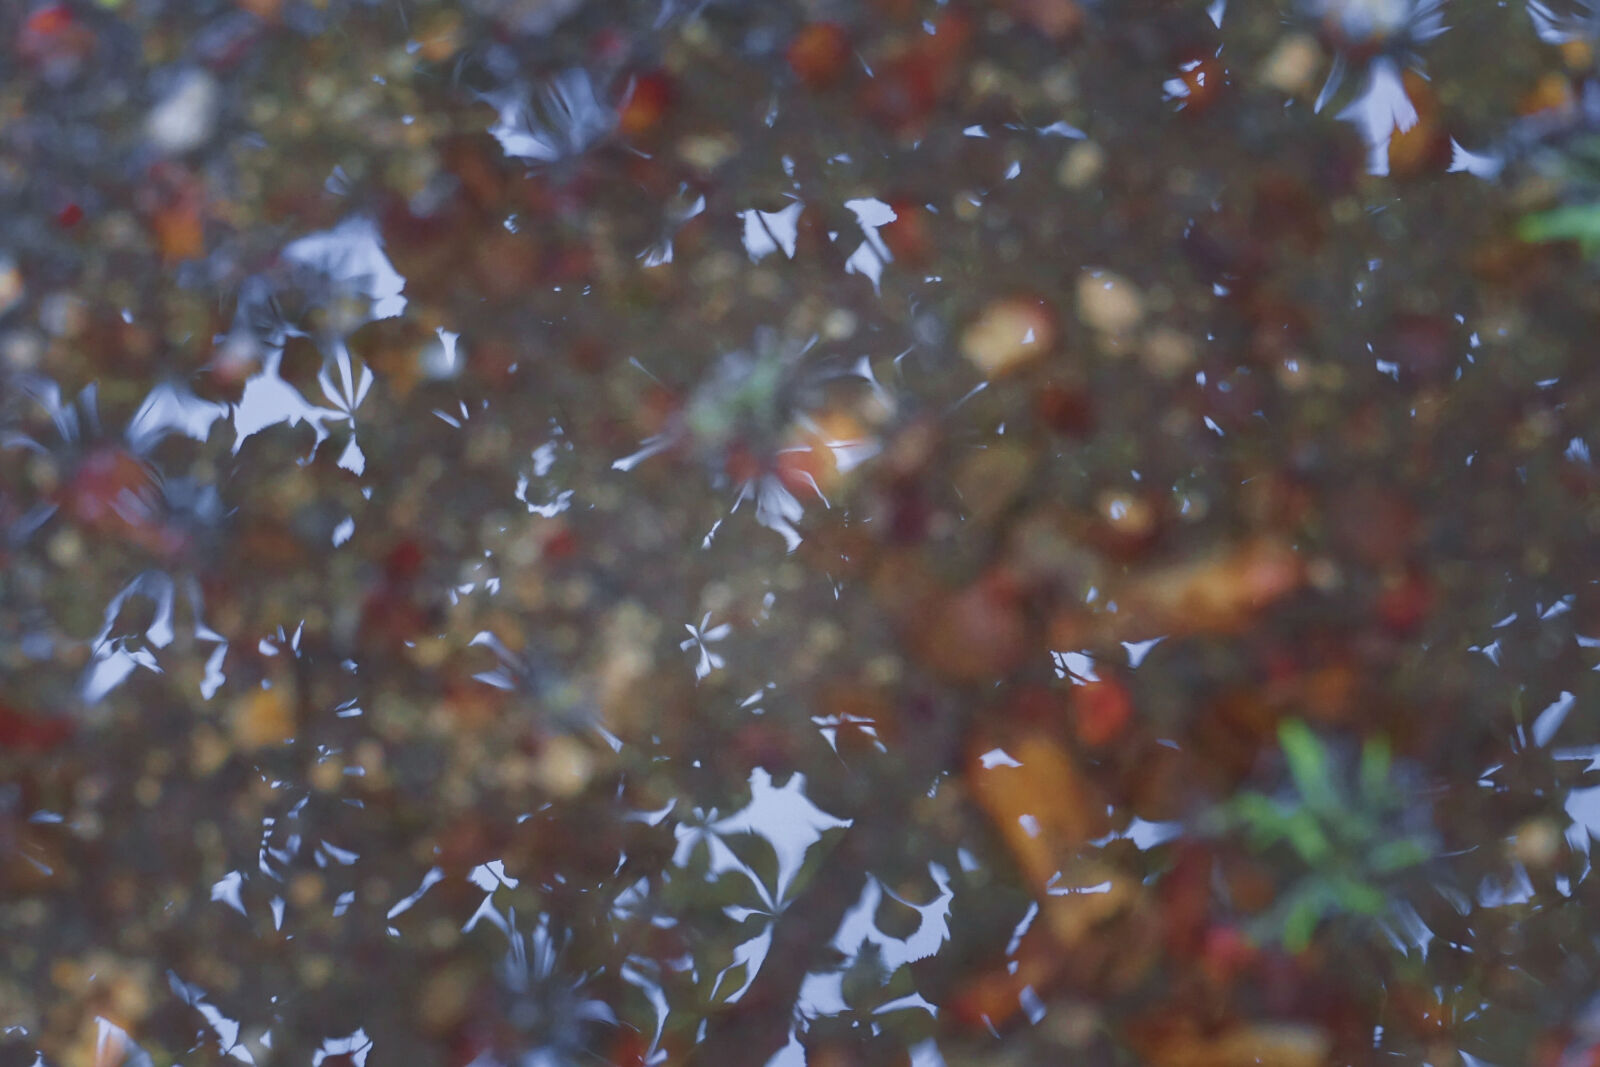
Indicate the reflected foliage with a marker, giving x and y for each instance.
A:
(538, 532)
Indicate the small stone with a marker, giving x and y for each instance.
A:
(991, 478)
(707, 152)
(1126, 513)
(20, 350)
(326, 774)
(186, 116)
(1292, 65)
(66, 548)
(1109, 303)
(1167, 352)
(1081, 165)
(208, 751)
(565, 766)
(261, 718)
(1537, 843)
(446, 998)
(306, 889)
(62, 314)
(839, 324)
(11, 285)
(1009, 333)
(1294, 373)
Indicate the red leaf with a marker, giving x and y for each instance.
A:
(31, 733)
(819, 54)
(1101, 712)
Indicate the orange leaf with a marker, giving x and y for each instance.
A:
(1221, 594)
(1179, 1042)
(648, 99)
(179, 232)
(819, 54)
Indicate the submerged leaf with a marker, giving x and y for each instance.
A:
(1397, 855)
(1375, 760)
(1573, 222)
(1308, 765)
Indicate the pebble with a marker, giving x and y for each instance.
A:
(1008, 334)
(1081, 165)
(1168, 352)
(186, 117)
(1109, 303)
(1292, 65)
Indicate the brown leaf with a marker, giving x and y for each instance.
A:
(179, 232)
(1045, 812)
(1219, 594)
(1179, 1042)
(977, 634)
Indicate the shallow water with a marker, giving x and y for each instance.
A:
(544, 532)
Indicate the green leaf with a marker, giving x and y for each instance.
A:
(710, 961)
(1355, 829)
(812, 862)
(1308, 765)
(1376, 758)
(733, 888)
(1573, 222)
(1393, 856)
(1305, 912)
(862, 987)
(732, 980)
(755, 851)
(1362, 898)
(1261, 817)
(1580, 159)
(697, 865)
(902, 983)
(895, 919)
(1305, 833)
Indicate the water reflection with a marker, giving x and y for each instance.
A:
(1562, 23)
(558, 122)
(655, 533)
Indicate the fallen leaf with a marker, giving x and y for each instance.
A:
(1423, 147)
(1101, 711)
(1179, 1042)
(1058, 20)
(1037, 800)
(1219, 594)
(180, 232)
(649, 97)
(22, 732)
(819, 54)
(977, 634)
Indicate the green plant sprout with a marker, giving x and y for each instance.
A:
(1575, 167)
(1341, 833)
(1570, 222)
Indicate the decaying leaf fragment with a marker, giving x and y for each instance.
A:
(1043, 809)
(1216, 594)
(1046, 813)
(1181, 1043)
